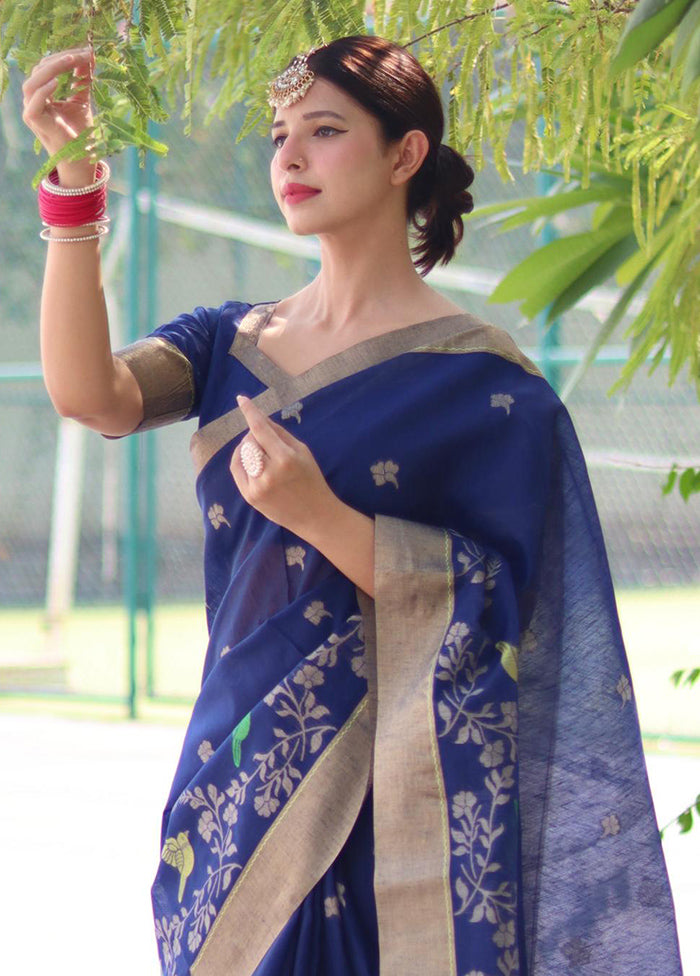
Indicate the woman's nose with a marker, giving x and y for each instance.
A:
(289, 156)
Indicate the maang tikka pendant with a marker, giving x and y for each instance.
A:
(293, 83)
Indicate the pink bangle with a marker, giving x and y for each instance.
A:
(73, 206)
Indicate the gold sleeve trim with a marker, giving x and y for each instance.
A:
(165, 378)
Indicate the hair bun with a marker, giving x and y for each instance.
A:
(453, 175)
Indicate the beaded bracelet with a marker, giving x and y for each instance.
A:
(46, 235)
(51, 185)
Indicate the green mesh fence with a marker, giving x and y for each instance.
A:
(652, 541)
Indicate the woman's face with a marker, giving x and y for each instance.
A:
(328, 142)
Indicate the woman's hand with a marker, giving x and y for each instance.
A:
(56, 123)
(292, 491)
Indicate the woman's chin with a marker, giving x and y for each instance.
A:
(302, 225)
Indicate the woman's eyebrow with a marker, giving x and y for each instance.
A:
(311, 115)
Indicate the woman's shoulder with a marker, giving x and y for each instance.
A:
(471, 334)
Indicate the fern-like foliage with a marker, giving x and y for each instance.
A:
(593, 83)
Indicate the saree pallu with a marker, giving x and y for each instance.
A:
(446, 779)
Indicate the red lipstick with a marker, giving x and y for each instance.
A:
(297, 192)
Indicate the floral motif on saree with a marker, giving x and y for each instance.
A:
(422, 783)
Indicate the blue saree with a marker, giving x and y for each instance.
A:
(446, 779)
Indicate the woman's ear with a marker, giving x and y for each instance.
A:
(412, 150)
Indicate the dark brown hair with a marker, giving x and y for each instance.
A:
(390, 83)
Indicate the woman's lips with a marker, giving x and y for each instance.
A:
(297, 196)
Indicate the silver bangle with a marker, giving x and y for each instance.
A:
(90, 223)
(77, 191)
(46, 235)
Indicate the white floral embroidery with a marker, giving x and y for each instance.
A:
(493, 754)
(510, 715)
(474, 834)
(217, 517)
(478, 566)
(315, 611)
(610, 825)
(293, 410)
(303, 730)
(384, 472)
(456, 632)
(308, 676)
(206, 825)
(509, 962)
(462, 803)
(224, 650)
(505, 937)
(624, 689)
(205, 751)
(359, 665)
(330, 907)
(504, 400)
(295, 555)
(266, 805)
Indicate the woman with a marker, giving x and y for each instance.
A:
(415, 749)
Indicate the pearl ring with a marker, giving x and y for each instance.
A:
(252, 458)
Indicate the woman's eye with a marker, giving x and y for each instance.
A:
(276, 142)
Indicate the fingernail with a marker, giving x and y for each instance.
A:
(242, 399)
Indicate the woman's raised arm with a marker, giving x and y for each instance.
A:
(84, 380)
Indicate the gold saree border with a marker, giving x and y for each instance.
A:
(464, 333)
(308, 835)
(413, 609)
(165, 378)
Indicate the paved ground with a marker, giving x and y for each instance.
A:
(79, 838)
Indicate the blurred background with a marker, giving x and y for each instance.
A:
(102, 630)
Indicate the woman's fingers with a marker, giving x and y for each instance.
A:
(269, 435)
(53, 65)
(57, 122)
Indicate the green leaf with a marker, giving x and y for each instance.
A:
(558, 202)
(75, 149)
(685, 677)
(131, 135)
(548, 271)
(600, 270)
(649, 24)
(689, 483)
(530, 208)
(606, 330)
(239, 734)
(666, 490)
(686, 30)
(691, 71)
(685, 821)
(654, 249)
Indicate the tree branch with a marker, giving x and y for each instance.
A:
(459, 20)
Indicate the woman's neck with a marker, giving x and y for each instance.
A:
(365, 278)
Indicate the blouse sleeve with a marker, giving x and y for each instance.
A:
(171, 365)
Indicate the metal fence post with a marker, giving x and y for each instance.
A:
(133, 521)
(150, 560)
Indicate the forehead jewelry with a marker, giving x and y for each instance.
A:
(293, 83)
